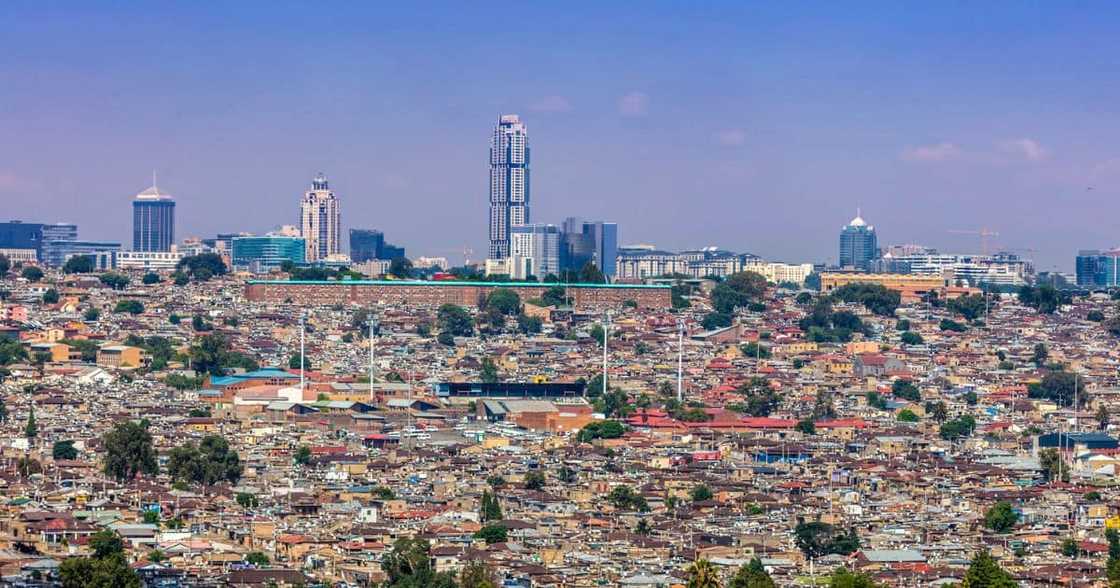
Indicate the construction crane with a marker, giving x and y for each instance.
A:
(984, 234)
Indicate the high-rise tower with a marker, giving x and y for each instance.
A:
(509, 182)
(320, 220)
(858, 244)
(153, 221)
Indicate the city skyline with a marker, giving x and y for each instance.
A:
(933, 120)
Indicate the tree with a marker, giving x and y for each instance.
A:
(409, 565)
(31, 429)
(201, 267)
(1112, 566)
(210, 354)
(492, 534)
(759, 397)
(877, 298)
(3, 410)
(5, 265)
(590, 274)
(32, 273)
(130, 306)
(907, 416)
(911, 338)
(297, 362)
(842, 578)
(107, 572)
(701, 493)
(823, 406)
(257, 558)
(504, 300)
(1040, 354)
(476, 574)
(642, 528)
(455, 320)
(534, 480)
(1095, 315)
(937, 410)
(985, 572)
(970, 307)
(755, 350)
(962, 426)
(302, 455)
(115, 281)
(624, 497)
(207, 463)
(1045, 299)
(50, 296)
(1069, 547)
(1103, 417)
(702, 574)
(488, 373)
(752, 575)
(91, 315)
(106, 543)
(180, 279)
(600, 430)
(1053, 465)
(806, 427)
(401, 268)
(489, 508)
(529, 325)
(816, 539)
(64, 450)
(951, 325)
(906, 390)
(129, 451)
(716, 320)
(1060, 387)
(150, 278)
(79, 264)
(1001, 518)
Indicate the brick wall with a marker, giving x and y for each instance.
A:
(584, 297)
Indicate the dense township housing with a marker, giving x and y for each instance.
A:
(435, 293)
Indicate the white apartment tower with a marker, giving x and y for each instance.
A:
(320, 220)
(509, 182)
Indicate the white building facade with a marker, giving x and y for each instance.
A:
(321, 221)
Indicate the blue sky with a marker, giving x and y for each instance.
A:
(756, 127)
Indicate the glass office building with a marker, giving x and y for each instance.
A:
(153, 221)
(1098, 269)
(268, 252)
(858, 245)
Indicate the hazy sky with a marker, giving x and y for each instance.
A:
(753, 126)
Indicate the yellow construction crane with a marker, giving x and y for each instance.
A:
(984, 234)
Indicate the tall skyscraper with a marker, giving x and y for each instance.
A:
(321, 221)
(858, 244)
(509, 182)
(153, 221)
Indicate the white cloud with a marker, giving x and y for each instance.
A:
(1028, 149)
(551, 104)
(939, 152)
(634, 104)
(731, 137)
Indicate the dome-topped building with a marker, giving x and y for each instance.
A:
(858, 244)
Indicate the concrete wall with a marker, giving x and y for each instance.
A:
(435, 293)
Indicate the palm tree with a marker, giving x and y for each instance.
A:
(701, 574)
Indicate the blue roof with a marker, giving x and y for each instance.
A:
(263, 373)
(455, 283)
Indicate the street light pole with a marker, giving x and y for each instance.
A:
(680, 361)
(370, 324)
(606, 337)
(302, 347)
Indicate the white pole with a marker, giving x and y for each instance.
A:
(1076, 406)
(680, 361)
(371, 360)
(606, 336)
(302, 347)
